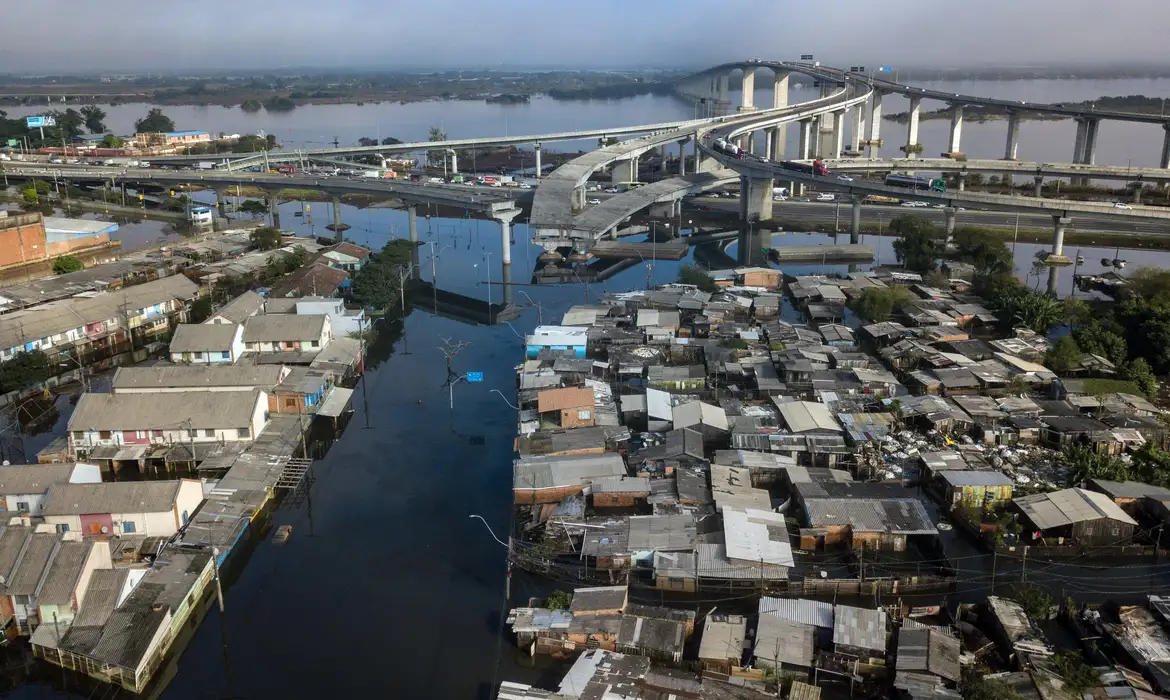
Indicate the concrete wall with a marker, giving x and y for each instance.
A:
(577, 417)
(22, 239)
(64, 245)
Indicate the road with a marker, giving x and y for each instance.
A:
(819, 212)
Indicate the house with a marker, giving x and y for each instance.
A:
(790, 630)
(13, 539)
(120, 508)
(68, 577)
(708, 419)
(314, 279)
(721, 648)
(301, 391)
(620, 491)
(1130, 495)
(21, 588)
(571, 407)
(1061, 431)
(163, 139)
(860, 632)
(1074, 516)
(656, 637)
(188, 418)
(974, 488)
(571, 340)
(807, 417)
(599, 600)
(552, 479)
(164, 378)
(927, 657)
(345, 256)
(24, 486)
(239, 309)
(860, 516)
(343, 321)
(210, 343)
(287, 333)
(677, 378)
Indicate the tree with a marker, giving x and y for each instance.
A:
(436, 134)
(30, 196)
(1078, 676)
(1035, 602)
(558, 600)
(1026, 306)
(691, 274)
(976, 686)
(396, 252)
(377, 285)
(1065, 356)
(251, 106)
(265, 237)
(1084, 463)
(876, 305)
(111, 141)
(154, 121)
(390, 141)
(1150, 464)
(42, 187)
(1150, 283)
(24, 369)
(1077, 311)
(1139, 372)
(94, 117)
(366, 141)
(916, 249)
(69, 122)
(67, 263)
(982, 248)
(1095, 338)
(255, 207)
(200, 310)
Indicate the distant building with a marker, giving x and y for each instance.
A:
(213, 343)
(239, 309)
(201, 216)
(314, 279)
(22, 239)
(287, 333)
(343, 321)
(346, 256)
(23, 486)
(163, 139)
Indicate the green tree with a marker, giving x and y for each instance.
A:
(42, 187)
(1139, 372)
(558, 600)
(255, 207)
(30, 196)
(377, 285)
(67, 263)
(877, 305)
(1150, 283)
(1150, 464)
(94, 117)
(1064, 356)
(112, 141)
(1026, 306)
(154, 121)
(976, 686)
(280, 104)
(1035, 602)
(1084, 463)
(200, 310)
(396, 252)
(982, 248)
(23, 370)
(1078, 676)
(692, 274)
(1092, 336)
(916, 249)
(69, 122)
(251, 106)
(1147, 330)
(265, 237)
(436, 134)
(1077, 311)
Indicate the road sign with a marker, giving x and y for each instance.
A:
(39, 122)
(806, 57)
(885, 69)
(475, 376)
(13, 143)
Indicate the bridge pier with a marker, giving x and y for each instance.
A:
(755, 198)
(1057, 257)
(505, 219)
(1013, 136)
(962, 181)
(805, 142)
(722, 103)
(768, 144)
(949, 227)
(1038, 186)
(875, 125)
(838, 141)
(1079, 145)
(1089, 155)
(536, 149)
(912, 128)
(682, 157)
(220, 203)
(1164, 162)
(1137, 194)
(858, 128)
(337, 218)
(274, 209)
(776, 138)
(855, 222)
(454, 162)
(698, 155)
(625, 171)
(748, 90)
(780, 89)
(956, 129)
(779, 133)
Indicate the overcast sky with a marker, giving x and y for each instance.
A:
(184, 35)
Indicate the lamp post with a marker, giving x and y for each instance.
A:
(539, 308)
(505, 399)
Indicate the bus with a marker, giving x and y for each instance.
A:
(916, 183)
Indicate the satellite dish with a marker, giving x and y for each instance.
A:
(105, 530)
(3, 580)
(7, 463)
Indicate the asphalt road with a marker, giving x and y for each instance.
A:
(819, 212)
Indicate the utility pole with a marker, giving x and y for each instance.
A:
(450, 349)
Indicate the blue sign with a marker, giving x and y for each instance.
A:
(885, 68)
(38, 122)
(475, 376)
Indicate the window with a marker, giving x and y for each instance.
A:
(192, 433)
(128, 526)
(1116, 530)
(312, 343)
(22, 506)
(62, 528)
(139, 434)
(584, 415)
(198, 356)
(209, 433)
(104, 434)
(156, 433)
(1088, 530)
(79, 435)
(225, 356)
(22, 600)
(677, 583)
(243, 433)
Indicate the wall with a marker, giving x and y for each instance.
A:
(35, 501)
(577, 417)
(63, 245)
(550, 495)
(22, 239)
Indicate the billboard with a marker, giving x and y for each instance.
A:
(39, 122)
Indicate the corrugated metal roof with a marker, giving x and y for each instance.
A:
(112, 497)
(780, 641)
(195, 410)
(723, 638)
(1068, 506)
(803, 416)
(905, 516)
(757, 536)
(974, 478)
(561, 399)
(568, 470)
(696, 413)
(860, 627)
(807, 612)
(272, 328)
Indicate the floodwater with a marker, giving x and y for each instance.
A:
(387, 585)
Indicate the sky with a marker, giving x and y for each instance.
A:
(241, 35)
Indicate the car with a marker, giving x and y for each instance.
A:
(594, 201)
(940, 206)
(1121, 205)
(921, 204)
(610, 190)
(845, 178)
(761, 159)
(826, 197)
(525, 186)
(907, 204)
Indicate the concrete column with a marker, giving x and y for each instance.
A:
(1165, 161)
(858, 128)
(698, 155)
(722, 104)
(748, 88)
(337, 217)
(1137, 195)
(1058, 222)
(506, 240)
(838, 142)
(949, 218)
(682, 158)
(780, 90)
(956, 129)
(755, 198)
(1090, 152)
(962, 178)
(1013, 136)
(855, 223)
(624, 171)
(274, 208)
(454, 163)
(1038, 186)
(536, 149)
(803, 148)
(769, 134)
(875, 125)
(780, 131)
(634, 167)
(776, 137)
(412, 222)
(1079, 142)
(912, 126)
(220, 204)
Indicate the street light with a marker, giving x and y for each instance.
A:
(489, 528)
(505, 399)
(434, 254)
(539, 308)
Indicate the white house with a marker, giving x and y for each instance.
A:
(239, 309)
(23, 486)
(187, 418)
(208, 343)
(151, 508)
(287, 333)
(67, 580)
(342, 321)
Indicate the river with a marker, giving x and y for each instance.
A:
(387, 586)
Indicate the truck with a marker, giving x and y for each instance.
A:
(371, 173)
(727, 148)
(206, 165)
(911, 182)
(286, 169)
(816, 167)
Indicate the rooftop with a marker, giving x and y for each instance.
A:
(112, 497)
(193, 410)
(21, 479)
(314, 278)
(274, 328)
(860, 627)
(904, 516)
(242, 307)
(723, 638)
(804, 416)
(175, 376)
(562, 399)
(757, 536)
(206, 337)
(568, 470)
(598, 598)
(1068, 506)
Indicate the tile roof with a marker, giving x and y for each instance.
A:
(20, 479)
(213, 337)
(272, 328)
(197, 410)
(112, 497)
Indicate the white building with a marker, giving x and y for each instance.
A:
(187, 418)
(208, 343)
(164, 378)
(151, 508)
(239, 309)
(23, 486)
(343, 321)
(287, 333)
